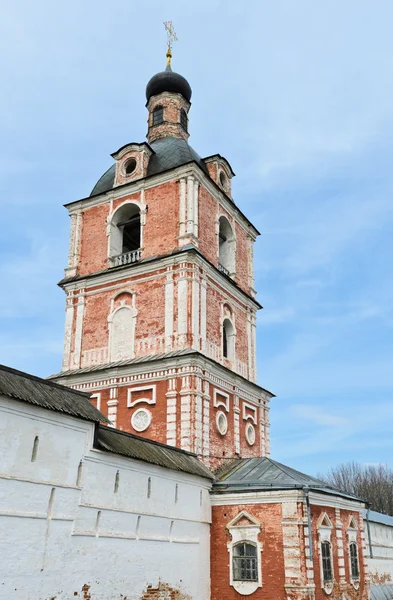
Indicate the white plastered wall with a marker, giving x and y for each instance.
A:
(64, 527)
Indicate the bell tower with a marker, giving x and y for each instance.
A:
(160, 301)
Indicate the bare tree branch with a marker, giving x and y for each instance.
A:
(373, 483)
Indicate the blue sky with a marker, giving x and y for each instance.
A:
(298, 96)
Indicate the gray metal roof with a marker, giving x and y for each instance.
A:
(169, 153)
(132, 446)
(47, 394)
(262, 474)
(376, 517)
(125, 362)
(382, 592)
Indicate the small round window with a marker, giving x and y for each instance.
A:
(222, 423)
(223, 179)
(130, 166)
(250, 434)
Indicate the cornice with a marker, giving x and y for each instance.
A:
(191, 359)
(191, 168)
(150, 265)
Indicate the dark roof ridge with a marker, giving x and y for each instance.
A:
(45, 381)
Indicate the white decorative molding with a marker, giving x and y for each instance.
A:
(253, 409)
(144, 388)
(97, 397)
(217, 402)
(169, 309)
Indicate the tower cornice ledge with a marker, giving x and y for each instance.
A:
(160, 362)
(190, 168)
(114, 274)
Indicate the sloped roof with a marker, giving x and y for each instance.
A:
(377, 517)
(47, 394)
(168, 153)
(133, 446)
(381, 592)
(262, 474)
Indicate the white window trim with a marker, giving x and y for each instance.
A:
(352, 539)
(143, 388)
(325, 535)
(245, 533)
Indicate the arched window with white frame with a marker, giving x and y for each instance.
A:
(125, 234)
(245, 554)
(226, 247)
(353, 552)
(325, 528)
(228, 339)
(122, 323)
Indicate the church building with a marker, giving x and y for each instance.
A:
(142, 470)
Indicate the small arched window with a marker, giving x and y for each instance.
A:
(158, 115)
(353, 552)
(327, 570)
(228, 339)
(183, 119)
(245, 564)
(226, 247)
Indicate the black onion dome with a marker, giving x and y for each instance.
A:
(169, 153)
(168, 81)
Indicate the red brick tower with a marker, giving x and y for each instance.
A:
(161, 310)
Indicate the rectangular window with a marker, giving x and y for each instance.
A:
(353, 551)
(245, 563)
(326, 562)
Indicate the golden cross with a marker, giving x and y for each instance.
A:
(171, 35)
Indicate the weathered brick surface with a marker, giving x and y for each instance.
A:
(273, 577)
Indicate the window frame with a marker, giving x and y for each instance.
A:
(184, 120)
(241, 559)
(158, 115)
(245, 529)
(353, 559)
(327, 569)
(325, 528)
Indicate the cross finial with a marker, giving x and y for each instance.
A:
(171, 37)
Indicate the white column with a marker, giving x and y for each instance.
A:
(249, 347)
(182, 211)
(169, 293)
(195, 312)
(198, 417)
(203, 314)
(112, 406)
(182, 308)
(77, 244)
(185, 413)
(254, 346)
(236, 424)
(68, 333)
(190, 205)
(171, 400)
(80, 310)
(206, 423)
(71, 246)
(196, 188)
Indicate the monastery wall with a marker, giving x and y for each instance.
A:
(80, 523)
(381, 561)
